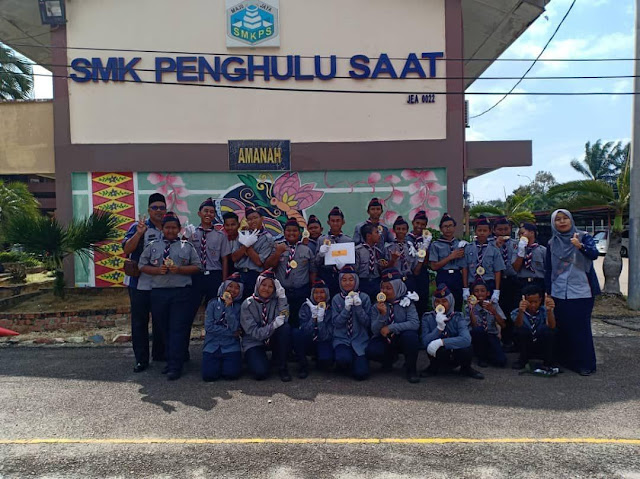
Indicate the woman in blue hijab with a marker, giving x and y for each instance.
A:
(572, 282)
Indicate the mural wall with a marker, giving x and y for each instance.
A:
(278, 195)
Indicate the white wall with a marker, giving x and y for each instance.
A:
(150, 113)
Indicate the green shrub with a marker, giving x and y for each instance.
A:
(28, 260)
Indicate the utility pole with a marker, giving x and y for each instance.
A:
(634, 203)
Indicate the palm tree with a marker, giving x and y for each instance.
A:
(16, 75)
(514, 210)
(602, 162)
(52, 243)
(16, 200)
(589, 193)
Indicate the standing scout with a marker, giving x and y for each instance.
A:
(483, 262)
(140, 235)
(329, 273)
(221, 354)
(446, 258)
(293, 262)
(404, 256)
(375, 212)
(370, 260)
(314, 227)
(231, 227)
(445, 335)
(530, 256)
(509, 284)
(351, 318)
(255, 247)
(264, 320)
(171, 262)
(421, 239)
(395, 324)
(314, 334)
(486, 321)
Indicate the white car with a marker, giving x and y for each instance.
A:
(602, 242)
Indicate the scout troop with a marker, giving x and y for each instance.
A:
(291, 297)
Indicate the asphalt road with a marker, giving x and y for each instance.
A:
(91, 394)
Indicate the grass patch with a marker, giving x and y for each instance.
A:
(39, 277)
(74, 301)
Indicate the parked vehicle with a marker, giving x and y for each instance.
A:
(602, 242)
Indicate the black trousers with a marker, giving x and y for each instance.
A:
(296, 298)
(171, 307)
(140, 311)
(451, 358)
(386, 352)
(509, 299)
(538, 347)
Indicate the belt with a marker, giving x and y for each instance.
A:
(209, 271)
(450, 271)
(531, 280)
(246, 270)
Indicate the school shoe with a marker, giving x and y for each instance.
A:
(483, 364)
(173, 375)
(471, 373)
(428, 372)
(303, 372)
(586, 372)
(285, 377)
(139, 367)
(165, 370)
(519, 364)
(412, 377)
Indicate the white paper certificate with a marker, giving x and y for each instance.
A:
(345, 251)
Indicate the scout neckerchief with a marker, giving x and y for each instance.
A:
(223, 319)
(292, 253)
(392, 318)
(481, 249)
(404, 266)
(528, 257)
(533, 320)
(504, 249)
(316, 331)
(372, 257)
(203, 245)
(444, 333)
(167, 248)
(265, 320)
(483, 313)
(350, 319)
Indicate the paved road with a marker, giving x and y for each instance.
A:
(91, 394)
(624, 276)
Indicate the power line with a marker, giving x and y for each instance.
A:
(365, 92)
(531, 66)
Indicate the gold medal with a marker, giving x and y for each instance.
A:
(322, 305)
(327, 242)
(380, 229)
(473, 300)
(226, 295)
(480, 270)
(440, 309)
(422, 253)
(506, 238)
(524, 239)
(426, 233)
(352, 294)
(293, 264)
(381, 297)
(305, 234)
(169, 262)
(285, 313)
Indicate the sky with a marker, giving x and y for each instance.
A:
(558, 126)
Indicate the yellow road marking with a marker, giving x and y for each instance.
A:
(426, 440)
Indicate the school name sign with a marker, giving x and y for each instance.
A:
(199, 69)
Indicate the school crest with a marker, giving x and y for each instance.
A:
(253, 23)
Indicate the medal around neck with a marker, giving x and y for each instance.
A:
(440, 309)
(480, 270)
(327, 242)
(169, 262)
(473, 300)
(380, 229)
(293, 264)
(381, 297)
(305, 234)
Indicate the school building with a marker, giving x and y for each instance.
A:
(291, 106)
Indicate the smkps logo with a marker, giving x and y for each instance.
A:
(253, 23)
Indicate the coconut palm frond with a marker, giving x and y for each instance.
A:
(42, 237)
(486, 210)
(588, 187)
(522, 217)
(16, 76)
(85, 235)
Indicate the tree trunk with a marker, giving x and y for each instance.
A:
(612, 266)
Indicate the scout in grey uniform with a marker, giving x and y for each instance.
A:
(370, 260)
(221, 354)
(264, 320)
(483, 262)
(509, 284)
(446, 258)
(351, 318)
(293, 262)
(329, 274)
(445, 335)
(171, 262)
(256, 246)
(486, 319)
(395, 324)
(231, 226)
(314, 227)
(140, 234)
(403, 254)
(529, 262)
(375, 212)
(422, 279)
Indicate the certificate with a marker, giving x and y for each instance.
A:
(346, 252)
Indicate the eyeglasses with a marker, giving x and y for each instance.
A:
(158, 208)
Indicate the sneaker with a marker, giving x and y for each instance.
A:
(472, 373)
(139, 367)
(285, 377)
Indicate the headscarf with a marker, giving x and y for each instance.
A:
(442, 291)
(348, 270)
(563, 253)
(234, 278)
(394, 277)
(319, 284)
(267, 274)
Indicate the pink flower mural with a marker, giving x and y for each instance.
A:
(292, 197)
(422, 190)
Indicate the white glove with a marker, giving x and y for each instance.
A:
(324, 249)
(310, 304)
(404, 302)
(495, 297)
(189, 231)
(251, 239)
(441, 321)
(412, 250)
(279, 321)
(242, 238)
(280, 292)
(357, 301)
(465, 294)
(433, 347)
(427, 241)
(522, 245)
(314, 311)
(320, 315)
(340, 264)
(413, 296)
(462, 243)
(348, 303)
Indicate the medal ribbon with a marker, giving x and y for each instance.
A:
(481, 249)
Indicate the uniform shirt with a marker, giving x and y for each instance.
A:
(537, 263)
(404, 319)
(405, 263)
(256, 332)
(362, 261)
(385, 237)
(264, 248)
(531, 321)
(181, 252)
(298, 276)
(482, 316)
(220, 324)
(216, 248)
(423, 277)
(442, 248)
(337, 239)
(308, 324)
(491, 261)
(455, 335)
(360, 318)
(313, 245)
(509, 251)
(143, 282)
